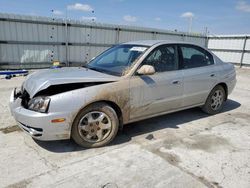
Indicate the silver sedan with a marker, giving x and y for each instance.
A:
(127, 83)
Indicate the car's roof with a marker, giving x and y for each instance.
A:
(153, 42)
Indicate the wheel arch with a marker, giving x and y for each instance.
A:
(111, 104)
(225, 87)
(117, 110)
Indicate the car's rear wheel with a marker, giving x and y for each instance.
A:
(215, 100)
(95, 126)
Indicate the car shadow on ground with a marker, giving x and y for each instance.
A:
(169, 121)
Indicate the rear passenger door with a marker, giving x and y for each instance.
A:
(199, 74)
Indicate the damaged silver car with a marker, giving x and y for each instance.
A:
(126, 83)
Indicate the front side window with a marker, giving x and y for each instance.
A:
(163, 58)
(194, 56)
(117, 60)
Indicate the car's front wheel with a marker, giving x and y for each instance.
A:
(215, 100)
(95, 126)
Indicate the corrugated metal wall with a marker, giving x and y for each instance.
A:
(233, 48)
(34, 42)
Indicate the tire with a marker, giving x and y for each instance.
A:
(211, 106)
(95, 126)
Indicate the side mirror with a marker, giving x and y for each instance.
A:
(146, 70)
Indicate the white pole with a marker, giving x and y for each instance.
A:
(66, 38)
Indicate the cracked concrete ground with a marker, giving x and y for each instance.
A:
(186, 148)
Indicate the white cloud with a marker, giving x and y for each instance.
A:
(32, 14)
(81, 7)
(129, 18)
(243, 6)
(57, 12)
(187, 15)
(157, 19)
(91, 18)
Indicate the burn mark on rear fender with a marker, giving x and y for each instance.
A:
(56, 89)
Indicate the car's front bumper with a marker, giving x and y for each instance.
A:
(39, 125)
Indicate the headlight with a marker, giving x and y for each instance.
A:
(39, 104)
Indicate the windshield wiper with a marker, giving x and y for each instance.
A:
(103, 71)
(96, 69)
(85, 66)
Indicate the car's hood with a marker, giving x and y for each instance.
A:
(41, 80)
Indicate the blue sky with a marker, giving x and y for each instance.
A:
(219, 16)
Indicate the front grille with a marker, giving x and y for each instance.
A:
(25, 99)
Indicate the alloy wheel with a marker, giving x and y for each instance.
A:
(217, 99)
(94, 126)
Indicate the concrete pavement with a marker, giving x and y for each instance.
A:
(187, 148)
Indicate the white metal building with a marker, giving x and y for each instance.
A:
(231, 48)
(34, 42)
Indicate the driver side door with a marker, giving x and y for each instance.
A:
(160, 92)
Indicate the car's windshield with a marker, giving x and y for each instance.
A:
(118, 59)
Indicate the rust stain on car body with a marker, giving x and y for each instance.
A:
(117, 93)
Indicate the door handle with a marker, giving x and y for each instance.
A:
(176, 82)
(212, 75)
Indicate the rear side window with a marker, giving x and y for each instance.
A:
(194, 56)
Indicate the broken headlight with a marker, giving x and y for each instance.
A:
(39, 104)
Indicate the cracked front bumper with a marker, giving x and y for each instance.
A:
(39, 125)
